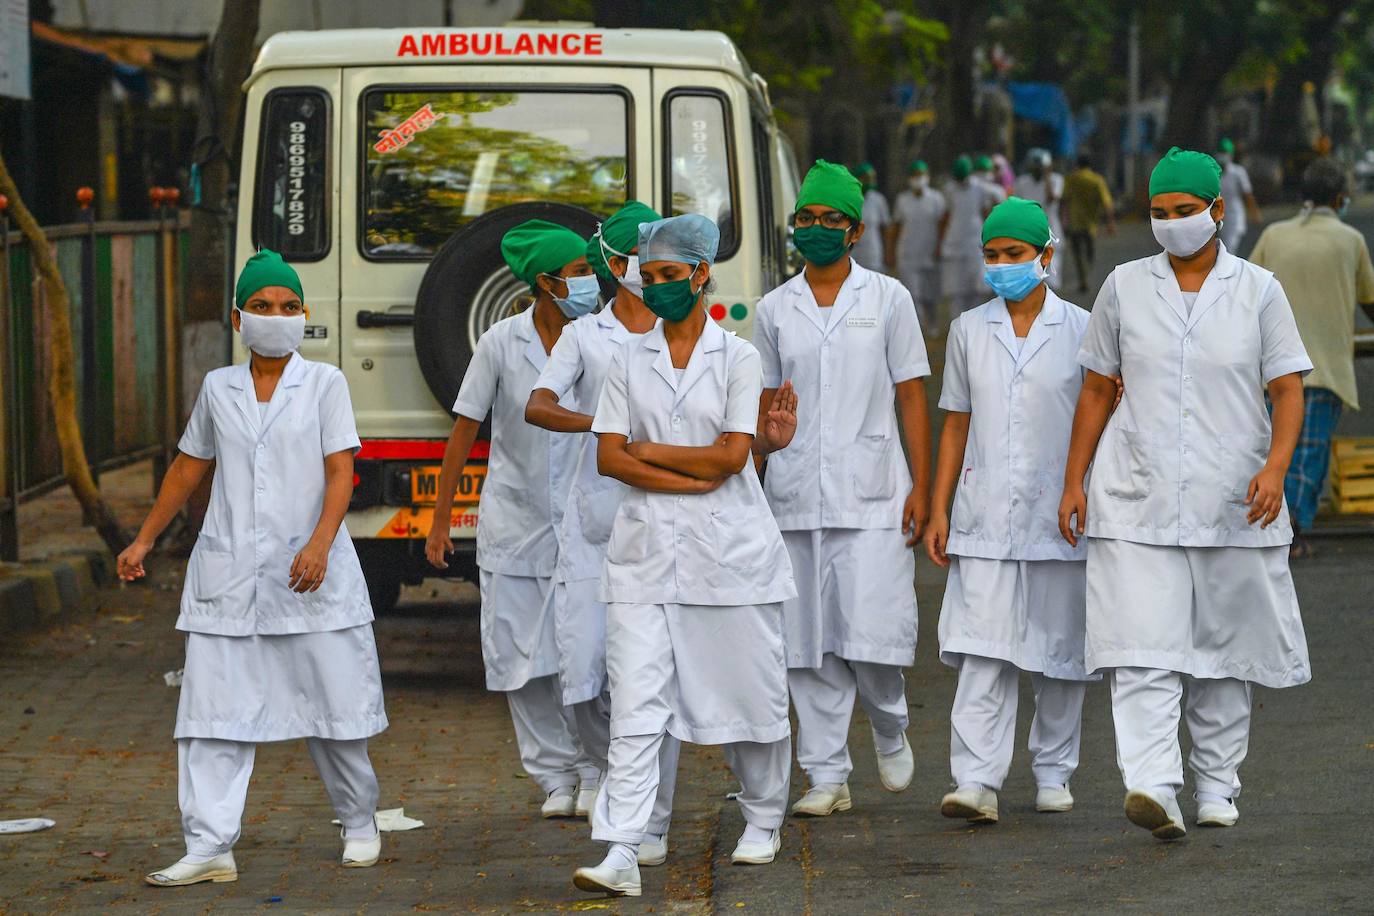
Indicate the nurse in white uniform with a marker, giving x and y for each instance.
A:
(1239, 194)
(278, 625)
(970, 200)
(528, 475)
(871, 250)
(849, 505)
(1015, 597)
(1042, 184)
(1188, 534)
(578, 366)
(917, 214)
(696, 571)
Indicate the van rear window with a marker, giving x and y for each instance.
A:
(699, 146)
(437, 159)
(290, 209)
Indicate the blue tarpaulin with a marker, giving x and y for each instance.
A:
(1046, 104)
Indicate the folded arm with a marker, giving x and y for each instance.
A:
(723, 458)
(613, 459)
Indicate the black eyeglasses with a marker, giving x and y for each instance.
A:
(830, 219)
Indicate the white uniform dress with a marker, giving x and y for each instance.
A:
(919, 216)
(1235, 186)
(578, 365)
(1014, 600)
(528, 475)
(1180, 587)
(837, 492)
(694, 586)
(265, 663)
(962, 249)
(877, 217)
(1041, 190)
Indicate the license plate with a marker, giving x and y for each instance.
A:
(424, 485)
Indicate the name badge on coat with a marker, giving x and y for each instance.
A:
(861, 321)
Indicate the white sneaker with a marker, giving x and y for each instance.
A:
(607, 879)
(1157, 812)
(361, 853)
(586, 801)
(1052, 799)
(973, 803)
(561, 802)
(895, 770)
(823, 800)
(219, 870)
(1211, 813)
(653, 852)
(757, 853)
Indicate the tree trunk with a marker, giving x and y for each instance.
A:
(1323, 38)
(218, 136)
(957, 124)
(62, 383)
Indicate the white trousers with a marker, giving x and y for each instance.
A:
(982, 729)
(1146, 703)
(593, 720)
(212, 787)
(546, 734)
(824, 700)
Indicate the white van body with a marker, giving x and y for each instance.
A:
(364, 151)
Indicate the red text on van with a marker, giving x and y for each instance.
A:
(498, 44)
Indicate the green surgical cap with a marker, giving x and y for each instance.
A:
(538, 246)
(1226, 146)
(865, 168)
(962, 168)
(982, 163)
(264, 269)
(620, 233)
(919, 165)
(1188, 171)
(831, 185)
(1018, 218)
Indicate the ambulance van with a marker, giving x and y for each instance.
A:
(385, 165)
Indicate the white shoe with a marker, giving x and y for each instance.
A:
(1052, 799)
(653, 852)
(586, 801)
(1157, 812)
(361, 853)
(823, 800)
(895, 771)
(560, 804)
(219, 870)
(607, 879)
(757, 853)
(973, 803)
(1217, 813)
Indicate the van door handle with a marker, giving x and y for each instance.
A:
(369, 319)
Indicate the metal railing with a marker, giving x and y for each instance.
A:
(124, 282)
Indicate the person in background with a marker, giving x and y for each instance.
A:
(1324, 267)
(916, 218)
(873, 249)
(985, 170)
(960, 245)
(1004, 176)
(1042, 184)
(1087, 202)
(1238, 193)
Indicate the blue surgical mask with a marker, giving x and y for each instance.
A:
(582, 296)
(1015, 281)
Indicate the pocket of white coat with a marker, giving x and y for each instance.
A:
(968, 503)
(629, 540)
(741, 543)
(596, 510)
(1240, 459)
(1127, 469)
(873, 477)
(212, 565)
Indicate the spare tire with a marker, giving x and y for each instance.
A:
(468, 288)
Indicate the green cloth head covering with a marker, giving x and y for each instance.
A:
(962, 168)
(1188, 171)
(264, 269)
(538, 246)
(918, 165)
(982, 164)
(831, 185)
(1018, 218)
(1226, 146)
(865, 168)
(620, 233)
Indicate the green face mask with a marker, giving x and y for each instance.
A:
(674, 300)
(819, 245)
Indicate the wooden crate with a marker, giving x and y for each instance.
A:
(1352, 474)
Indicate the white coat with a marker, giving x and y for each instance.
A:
(845, 466)
(876, 217)
(717, 548)
(920, 218)
(578, 365)
(265, 502)
(1235, 185)
(1176, 458)
(1022, 401)
(962, 249)
(530, 469)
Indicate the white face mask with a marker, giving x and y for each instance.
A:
(1185, 236)
(272, 336)
(632, 281)
(918, 182)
